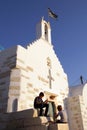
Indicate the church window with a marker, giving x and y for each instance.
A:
(45, 29)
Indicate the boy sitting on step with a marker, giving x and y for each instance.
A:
(39, 103)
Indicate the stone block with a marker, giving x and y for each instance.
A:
(60, 126)
(63, 126)
(24, 114)
(4, 119)
(37, 121)
(27, 122)
(34, 127)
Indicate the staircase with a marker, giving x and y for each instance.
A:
(28, 120)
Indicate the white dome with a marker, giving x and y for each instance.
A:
(79, 90)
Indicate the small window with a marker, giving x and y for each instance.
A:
(46, 29)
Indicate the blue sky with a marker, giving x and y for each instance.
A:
(18, 19)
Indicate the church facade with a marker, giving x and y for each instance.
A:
(24, 72)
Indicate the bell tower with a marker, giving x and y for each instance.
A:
(43, 30)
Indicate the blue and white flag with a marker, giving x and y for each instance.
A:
(52, 14)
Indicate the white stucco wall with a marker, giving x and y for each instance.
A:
(79, 90)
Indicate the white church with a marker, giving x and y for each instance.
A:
(24, 72)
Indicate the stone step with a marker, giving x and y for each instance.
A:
(19, 115)
(58, 126)
(4, 119)
(37, 121)
(29, 122)
(24, 114)
(36, 127)
(42, 127)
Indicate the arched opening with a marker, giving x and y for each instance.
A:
(46, 32)
(14, 105)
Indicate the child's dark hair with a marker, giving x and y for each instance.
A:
(59, 107)
(41, 94)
